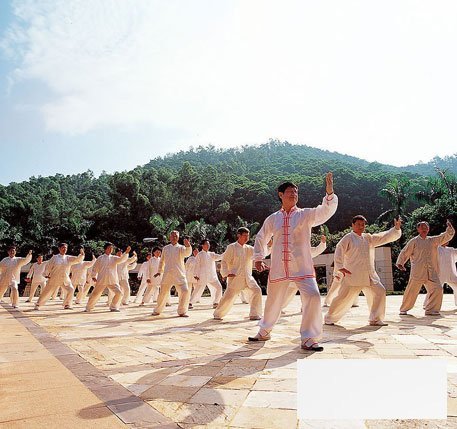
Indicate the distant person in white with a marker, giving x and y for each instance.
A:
(291, 261)
(190, 272)
(36, 277)
(123, 274)
(79, 277)
(10, 274)
(354, 263)
(206, 275)
(236, 266)
(173, 272)
(58, 273)
(422, 251)
(153, 283)
(104, 275)
(142, 276)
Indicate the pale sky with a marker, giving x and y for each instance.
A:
(110, 84)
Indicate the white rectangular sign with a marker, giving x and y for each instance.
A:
(353, 389)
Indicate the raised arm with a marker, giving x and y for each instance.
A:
(316, 251)
(446, 236)
(381, 238)
(327, 209)
(24, 261)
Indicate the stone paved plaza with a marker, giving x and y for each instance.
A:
(65, 369)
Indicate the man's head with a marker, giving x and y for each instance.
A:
(288, 194)
(195, 251)
(63, 247)
(12, 251)
(174, 237)
(205, 244)
(157, 251)
(359, 223)
(242, 235)
(39, 259)
(148, 256)
(423, 228)
(108, 248)
(119, 252)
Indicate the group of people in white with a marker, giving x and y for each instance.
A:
(285, 236)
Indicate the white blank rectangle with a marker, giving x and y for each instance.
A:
(353, 389)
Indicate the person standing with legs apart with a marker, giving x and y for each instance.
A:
(79, 277)
(10, 274)
(190, 272)
(123, 274)
(173, 272)
(206, 275)
(36, 277)
(354, 264)
(104, 275)
(422, 251)
(236, 266)
(153, 283)
(58, 273)
(291, 261)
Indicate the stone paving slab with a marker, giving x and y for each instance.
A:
(169, 372)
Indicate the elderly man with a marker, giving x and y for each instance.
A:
(173, 272)
(58, 273)
(354, 262)
(422, 251)
(104, 275)
(237, 267)
(291, 261)
(10, 274)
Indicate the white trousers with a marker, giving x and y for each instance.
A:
(141, 290)
(214, 287)
(244, 296)
(14, 292)
(235, 285)
(375, 294)
(34, 287)
(115, 290)
(333, 291)
(51, 287)
(152, 293)
(434, 297)
(311, 322)
(453, 285)
(164, 294)
(82, 292)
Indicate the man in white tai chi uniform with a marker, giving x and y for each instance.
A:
(206, 275)
(236, 266)
(447, 258)
(104, 275)
(190, 272)
(79, 278)
(123, 274)
(153, 283)
(291, 261)
(354, 262)
(58, 273)
(173, 272)
(36, 277)
(10, 274)
(422, 251)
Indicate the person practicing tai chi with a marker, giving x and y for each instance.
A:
(173, 272)
(447, 258)
(291, 261)
(153, 283)
(422, 251)
(79, 278)
(10, 274)
(143, 277)
(190, 271)
(354, 264)
(36, 277)
(206, 275)
(334, 289)
(123, 273)
(104, 275)
(292, 290)
(58, 273)
(236, 266)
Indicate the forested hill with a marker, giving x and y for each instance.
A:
(202, 192)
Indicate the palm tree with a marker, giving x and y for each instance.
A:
(397, 192)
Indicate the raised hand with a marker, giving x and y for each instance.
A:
(329, 183)
(398, 222)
